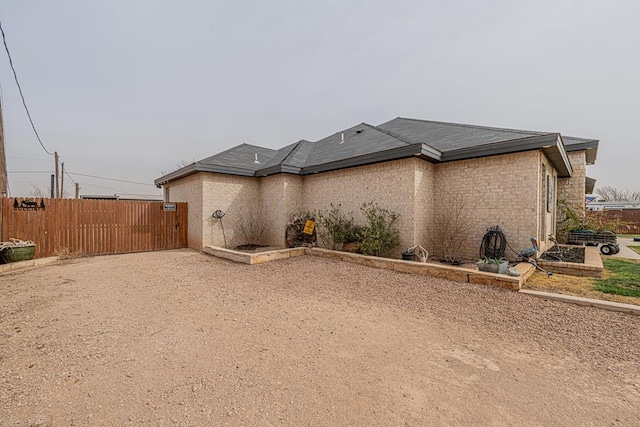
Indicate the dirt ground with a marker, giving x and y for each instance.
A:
(573, 285)
(182, 338)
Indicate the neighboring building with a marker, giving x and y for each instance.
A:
(603, 205)
(116, 197)
(426, 171)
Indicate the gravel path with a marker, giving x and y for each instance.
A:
(182, 338)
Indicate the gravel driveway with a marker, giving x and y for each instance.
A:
(182, 338)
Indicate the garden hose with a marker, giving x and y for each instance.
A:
(493, 244)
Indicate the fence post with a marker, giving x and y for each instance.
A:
(2, 199)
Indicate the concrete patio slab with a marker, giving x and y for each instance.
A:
(4, 268)
(605, 305)
(625, 252)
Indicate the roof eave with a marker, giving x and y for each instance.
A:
(559, 159)
(551, 144)
(177, 174)
(590, 147)
(366, 159)
(202, 167)
(278, 169)
(589, 185)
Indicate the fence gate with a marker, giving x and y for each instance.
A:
(93, 227)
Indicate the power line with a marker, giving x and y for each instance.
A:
(111, 179)
(15, 76)
(29, 158)
(84, 164)
(121, 192)
(72, 180)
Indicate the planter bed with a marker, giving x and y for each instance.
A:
(591, 267)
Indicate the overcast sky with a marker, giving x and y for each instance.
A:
(127, 89)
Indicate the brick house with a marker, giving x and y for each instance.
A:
(424, 170)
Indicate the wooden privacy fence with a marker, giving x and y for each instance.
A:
(626, 221)
(93, 227)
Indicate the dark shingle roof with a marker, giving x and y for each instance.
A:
(454, 136)
(398, 138)
(356, 141)
(243, 156)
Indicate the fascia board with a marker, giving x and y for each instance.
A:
(503, 147)
(377, 157)
(182, 172)
(278, 169)
(592, 155)
(225, 170)
(590, 147)
(201, 167)
(551, 144)
(429, 151)
(565, 169)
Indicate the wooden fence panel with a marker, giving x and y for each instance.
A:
(95, 227)
(625, 221)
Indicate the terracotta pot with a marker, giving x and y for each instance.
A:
(350, 247)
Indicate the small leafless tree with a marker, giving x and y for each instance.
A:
(613, 194)
(38, 192)
(251, 226)
(182, 163)
(452, 230)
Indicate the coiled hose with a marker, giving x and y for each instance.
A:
(493, 244)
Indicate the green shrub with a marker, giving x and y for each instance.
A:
(577, 217)
(380, 236)
(353, 234)
(334, 227)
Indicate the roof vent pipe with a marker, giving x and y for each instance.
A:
(255, 158)
(341, 137)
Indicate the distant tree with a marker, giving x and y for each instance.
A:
(613, 194)
(182, 163)
(38, 192)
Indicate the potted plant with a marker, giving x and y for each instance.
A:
(493, 265)
(409, 255)
(352, 236)
(16, 250)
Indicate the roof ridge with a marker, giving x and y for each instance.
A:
(233, 148)
(580, 138)
(293, 150)
(339, 132)
(529, 132)
(256, 146)
(393, 134)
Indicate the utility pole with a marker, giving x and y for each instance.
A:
(62, 182)
(77, 190)
(55, 155)
(3, 161)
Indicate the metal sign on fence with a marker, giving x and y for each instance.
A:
(27, 205)
(169, 207)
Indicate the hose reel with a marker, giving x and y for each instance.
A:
(218, 214)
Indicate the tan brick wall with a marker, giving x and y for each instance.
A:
(498, 190)
(391, 184)
(505, 190)
(206, 192)
(424, 203)
(573, 189)
(237, 197)
(189, 189)
(281, 197)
